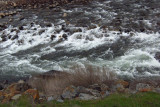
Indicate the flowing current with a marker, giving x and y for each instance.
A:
(122, 35)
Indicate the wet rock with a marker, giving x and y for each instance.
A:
(41, 31)
(105, 94)
(157, 56)
(21, 28)
(65, 15)
(14, 37)
(69, 93)
(52, 37)
(16, 97)
(143, 87)
(2, 25)
(65, 36)
(48, 24)
(84, 96)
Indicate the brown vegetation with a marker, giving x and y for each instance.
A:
(55, 82)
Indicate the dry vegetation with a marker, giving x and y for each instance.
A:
(56, 82)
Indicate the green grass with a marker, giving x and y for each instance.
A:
(149, 99)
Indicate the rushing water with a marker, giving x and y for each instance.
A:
(122, 35)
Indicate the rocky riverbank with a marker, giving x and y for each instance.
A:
(35, 89)
(32, 4)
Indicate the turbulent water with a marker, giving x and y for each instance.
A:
(122, 35)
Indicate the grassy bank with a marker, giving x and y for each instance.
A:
(149, 99)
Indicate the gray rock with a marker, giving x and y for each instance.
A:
(157, 90)
(16, 97)
(60, 101)
(141, 86)
(93, 92)
(69, 93)
(50, 99)
(84, 96)
(118, 87)
(95, 87)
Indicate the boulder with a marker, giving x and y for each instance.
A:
(69, 93)
(143, 87)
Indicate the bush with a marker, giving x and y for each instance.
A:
(55, 83)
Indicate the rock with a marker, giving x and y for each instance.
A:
(34, 93)
(52, 37)
(48, 24)
(93, 92)
(157, 90)
(22, 87)
(60, 100)
(143, 87)
(124, 83)
(16, 97)
(14, 37)
(65, 15)
(118, 88)
(65, 36)
(95, 87)
(1, 87)
(50, 99)
(21, 82)
(41, 31)
(157, 56)
(69, 93)
(104, 87)
(21, 28)
(84, 96)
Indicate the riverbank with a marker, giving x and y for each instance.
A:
(67, 88)
(148, 99)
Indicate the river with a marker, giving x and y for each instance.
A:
(121, 35)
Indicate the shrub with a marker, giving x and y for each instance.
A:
(56, 81)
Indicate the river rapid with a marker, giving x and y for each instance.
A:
(120, 35)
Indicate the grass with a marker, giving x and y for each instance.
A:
(54, 85)
(149, 99)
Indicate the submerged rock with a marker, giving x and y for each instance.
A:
(157, 56)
